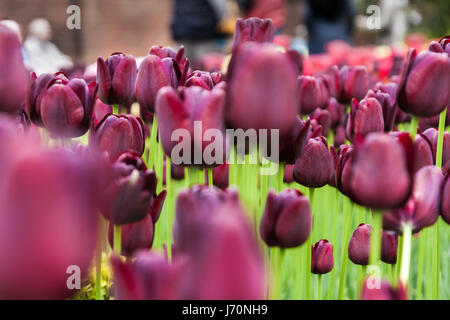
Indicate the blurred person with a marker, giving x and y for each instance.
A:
(44, 56)
(195, 24)
(265, 9)
(14, 26)
(395, 19)
(328, 20)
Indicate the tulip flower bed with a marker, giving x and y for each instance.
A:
(261, 182)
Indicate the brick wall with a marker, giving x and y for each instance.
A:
(130, 26)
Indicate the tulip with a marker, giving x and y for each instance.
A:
(101, 110)
(445, 203)
(221, 176)
(314, 167)
(432, 136)
(45, 230)
(322, 257)
(168, 52)
(134, 236)
(333, 82)
(313, 93)
(440, 46)
(422, 210)
(424, 82)
(149, 277)
(185, 109)
(423, 152)
(38, 84)
(379, 174)
(389, 244)
(13, 78)
(253, 29)
(131, 195)
(116, 79)
(388, 106)
(261, 89)
(382, 291)
(355, 82)
(66, 107)
(288, 176)
(359, 245)
(323, 117)
(286, 220)
(342, 168)
(365, 117)
(336, 111)
(339, 136)
(154, 74)
(119, 133)
(201, 79)
(292, 143)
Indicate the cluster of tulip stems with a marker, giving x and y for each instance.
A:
(356, 210)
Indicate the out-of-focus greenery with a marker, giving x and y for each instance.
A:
(435, 20)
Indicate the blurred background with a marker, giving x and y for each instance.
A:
(132, 26)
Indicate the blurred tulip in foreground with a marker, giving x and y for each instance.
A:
(253, 29)
(381, 290)
(445, 205)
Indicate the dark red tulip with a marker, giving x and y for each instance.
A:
(131, 194)
(135, 236)
(440, 46)
(221, 176)
(66, 107)
(339, 136)
(333, 82)
(119, 133)
(336, 111)
(342, 168)
(288, 176)
(116, 79)
(201, 79)
(149, 277)
(432, 136)
(312, 92)
(14, 80)
(372, 290)
(365, 117)
(286, 222)
(323, 117)
(262, 91)
(168, 52)
(226, 263)
(388, 106)
(253, 29)
(424, 83)
(48, 219)
(292, 143)
(379, 173)
(359, 245)
(186, 109)
(38, 85)
(356, 83)
(322, 260)
(389, 245)
(423, 152)
(154, 74)
(422, 210)
(101, 110)
(445, 199)
(314, 166)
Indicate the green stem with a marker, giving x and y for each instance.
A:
(406, 253)
(308, 250)
(117, 239)
(413, 128)
(279, 274)
(319, 287)
(345, 238)
(440, 143)
(210, 177)
(280, 176)
(375, 239)
(420, 268)
(152, 147)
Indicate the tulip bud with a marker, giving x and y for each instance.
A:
(359, 245)
(342, 168)
(424, 82)
(333, 81)
(38, 85)
(389, 244)
(422, 210)
(116, 79)
(323, 117)
(286, 221)
(314, 167)
(336, 111)
(221, 176)
(132, 193)
(13, 76)
(66, 107)
(322, 257)
(313, 93)
(253, 29)
(201, 79)
(355, 81)
(117, 134)
(292, 143)
(423, 153)
(432, 136)
(445, 203)
(288, 176)
(382, 290)
(365, 117)
(379, 174)
(261, 89)
(388, 106)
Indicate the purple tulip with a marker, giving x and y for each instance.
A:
(154, 74)
(203, 79)
(339, 136)
(389, 245)
(14, 78)
(286, 221)
(186, 108)
(314, 167)
(423, 152)
(38, 85)
(48, 219)
(323, 117)
(424, 83)
(342, 168)
(333, 81)
(261, 90)
(291, 145)
(288, 176)
(445, 203)
(440, 46)
(322, 260)
(385, 291)
(101, 110)
(131, 194)
(116, 134)
(388, 106)
(359, 245)
(221, 176)
(66, 107)
(313, 93)
(379, 173)
(253, 29)
(116, 79)
(422, 210)
(432, 136)
(365, 117)
(356, 82)
(336, 111)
